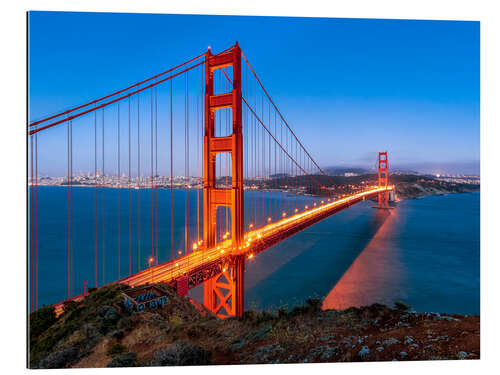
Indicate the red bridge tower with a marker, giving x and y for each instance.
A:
(224, 294)
(383, 179)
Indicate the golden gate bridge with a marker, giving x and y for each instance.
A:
(237, 143)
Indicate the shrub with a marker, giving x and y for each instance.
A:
(282, 313)
(41, 320)
(249, 315)
(175, 320)
(314, 304)
(401, 305)
(264, 316)
(60, 359)
(116, 349)
(124, 360)
(182, 353)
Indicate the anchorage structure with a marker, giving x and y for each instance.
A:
(223, 294)
(383, 180)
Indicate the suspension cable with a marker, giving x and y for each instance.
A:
(276, 108)
(116, 92)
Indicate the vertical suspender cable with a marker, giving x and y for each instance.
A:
(275, 173)
(68, 210)
(36, 221)
(185, 168)
(171, 179)
(187, 163)
(71, 204)
(198, 80)
(152, 187)
(119, 188)
(95, 197)
(138, 186)
(156, 169)
(32, 237)
(102, 205)
(255, 197)
(269, 156)
(263, 167)
(129, 195)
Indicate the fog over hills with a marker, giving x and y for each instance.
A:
(471, 167)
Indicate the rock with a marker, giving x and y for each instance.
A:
(182, 353)
(59, 359)
(408, 340)
(259, 334)
(390, 341)
(380, 348)
(124, 324)
(403, 354)
(462, 355)
(364, 351)
(264, 353)
(326, 338)
(414, 346)
(326, 352)
(449, 318)
(238, 344)
(124, 360)
(111, 315)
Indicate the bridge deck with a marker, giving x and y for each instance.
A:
(198, 262)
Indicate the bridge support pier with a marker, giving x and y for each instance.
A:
(224, 293)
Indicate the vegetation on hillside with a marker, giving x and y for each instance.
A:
(100, 332)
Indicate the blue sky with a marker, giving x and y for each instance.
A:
(348, 87)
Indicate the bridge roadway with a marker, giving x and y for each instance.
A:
(204, 264)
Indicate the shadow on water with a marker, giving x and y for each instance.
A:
(308, 264)
(376, 273)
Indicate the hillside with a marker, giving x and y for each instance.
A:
(100, 332)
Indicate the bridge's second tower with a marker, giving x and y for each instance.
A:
(383, 179)
(224, 293)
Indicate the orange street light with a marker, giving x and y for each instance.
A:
(150, 262)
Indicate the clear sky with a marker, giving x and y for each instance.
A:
(348, 87)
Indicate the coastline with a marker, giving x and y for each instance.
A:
(418, 190)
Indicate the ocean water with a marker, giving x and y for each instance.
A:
(424, 252)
